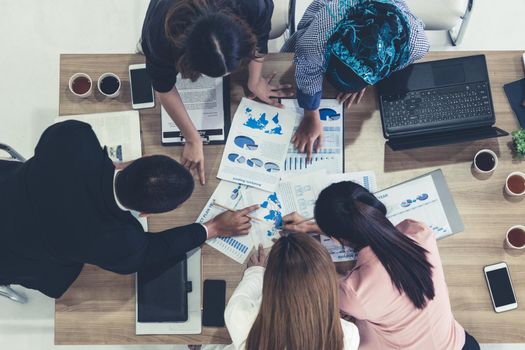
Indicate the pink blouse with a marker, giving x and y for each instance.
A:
(387, 319)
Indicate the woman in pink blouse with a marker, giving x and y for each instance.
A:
(397, 290)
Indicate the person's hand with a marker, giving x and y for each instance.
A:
(193, 158)
(264, 91)
(349, 98)
(194, 347)
(294, 222)
(309, 135)
(258, 258)
(230, 223)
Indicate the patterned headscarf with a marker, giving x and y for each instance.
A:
(367, 45)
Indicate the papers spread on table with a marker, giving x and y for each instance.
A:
(237, 197)
(299, 194)
(119, 132)
(331, 155)
(256, 146)
(419, 199)
(204, 102)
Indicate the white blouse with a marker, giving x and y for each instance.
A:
(243, 308)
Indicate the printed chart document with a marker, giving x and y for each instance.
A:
(119, 132)
(204, 101)
(237, 196)
(257, 143)
(426, 199)
(299, 194)
(331, 155)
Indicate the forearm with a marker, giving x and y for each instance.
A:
(172, 103)
(255, 71)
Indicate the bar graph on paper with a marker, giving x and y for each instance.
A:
(330, 156)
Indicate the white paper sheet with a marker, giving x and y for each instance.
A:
(119, 132)
(331, 155)
(299, 193)
(237, 196)
(417, 200)
(204, 102)
(256, 146)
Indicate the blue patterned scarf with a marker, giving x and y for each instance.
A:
(367, 45)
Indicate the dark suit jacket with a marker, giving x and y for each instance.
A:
(58, 212)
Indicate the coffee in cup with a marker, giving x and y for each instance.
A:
(515, 238)
(80, 84)
(485, 161)
(515, 184)
(109, 85)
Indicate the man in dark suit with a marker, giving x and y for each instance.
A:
(68, 205)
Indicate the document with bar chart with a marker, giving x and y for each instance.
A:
(331, 155)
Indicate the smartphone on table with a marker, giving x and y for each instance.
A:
(142, 95)
(500, 287)
(214, 303)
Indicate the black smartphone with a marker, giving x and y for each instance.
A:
(214, 303)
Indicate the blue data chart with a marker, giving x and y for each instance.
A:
(271, 167)
(274, 208)
(421, 198)
(235, 244)
(262, 123)
(254, 163)
(234, 157)
(245, 142)
(329, 114)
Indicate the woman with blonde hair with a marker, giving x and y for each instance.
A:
(289, 302)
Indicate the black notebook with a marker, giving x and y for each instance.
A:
(162, 293)
(516, 93)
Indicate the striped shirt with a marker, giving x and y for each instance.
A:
(313, 32)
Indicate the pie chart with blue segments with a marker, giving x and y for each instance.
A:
(329, 114)
(245, 142)
(271, 167)
(254, 163)
(234, 157)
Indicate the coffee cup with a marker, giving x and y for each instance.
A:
(515, 184)
(515, 237)
(485, 161)
(80, 85)
(109, 85)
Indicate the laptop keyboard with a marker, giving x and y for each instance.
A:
(439, 106)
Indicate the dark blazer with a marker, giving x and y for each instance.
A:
(58, 212)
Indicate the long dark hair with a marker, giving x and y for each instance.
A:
(211, 36)
(348, 212)
(300, 299)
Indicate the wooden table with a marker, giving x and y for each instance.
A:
(100, 306)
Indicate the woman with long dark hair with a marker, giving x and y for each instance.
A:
(205, 37)
(288, 302)
(397, 289)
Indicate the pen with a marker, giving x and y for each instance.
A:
(214, 203)
(301, 222)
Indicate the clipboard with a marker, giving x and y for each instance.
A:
(215, 135)
(447, 201)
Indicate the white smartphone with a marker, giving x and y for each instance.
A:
(142, 95)
(500, 287)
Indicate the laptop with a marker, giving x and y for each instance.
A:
(438, 102)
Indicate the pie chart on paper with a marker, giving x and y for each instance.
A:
(245, 142)
(271, 167)
(329, 114)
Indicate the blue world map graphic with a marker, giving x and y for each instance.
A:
(273, 206)
(263, 124)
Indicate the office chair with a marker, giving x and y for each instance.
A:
(450, 15)
(14, 156)
(283, 19)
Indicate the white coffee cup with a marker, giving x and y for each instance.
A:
(508, 190)
(76, 85)
(488, 151)
(507, 241)
(110, 94)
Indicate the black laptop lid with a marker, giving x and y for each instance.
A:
(162, 293)
(432, 74)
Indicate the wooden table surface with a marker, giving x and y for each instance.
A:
(99, 308)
